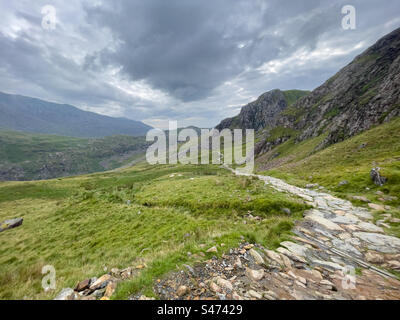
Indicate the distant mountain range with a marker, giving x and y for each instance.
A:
(38, 116)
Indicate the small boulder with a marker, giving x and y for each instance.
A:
(373, 257)
(256, 256)
(110, 289)
(82, 285)
(376, 177)
(255, 275)
(10, 224)
(66, 294)
(182, 290)
(343, 183)
(376, 207)
(225, 284)
(101, 282)
(212, 250)
(361, 198)
(287, 211)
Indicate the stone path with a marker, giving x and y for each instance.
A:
(337, 253)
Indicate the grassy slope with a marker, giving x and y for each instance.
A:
(83, 224)
(348, 160)
(63, 155)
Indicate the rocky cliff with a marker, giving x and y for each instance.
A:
(263, 112)
(363, 94)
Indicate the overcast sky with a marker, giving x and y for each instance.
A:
(195, 61)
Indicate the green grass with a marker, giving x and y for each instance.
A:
(81, 225)
(350, 160)
(292, 96)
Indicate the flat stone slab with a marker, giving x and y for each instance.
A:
(10, 224)
(379, 242)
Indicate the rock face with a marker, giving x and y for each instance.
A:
(10, 224)
(258, 114)
(362, 94)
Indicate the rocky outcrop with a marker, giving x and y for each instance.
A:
(363, 94)
(261, 113)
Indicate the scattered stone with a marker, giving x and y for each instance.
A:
(395, 265)
(66, 294)
(312, 185)
(343, 183)
(374, 257)
(257, 257)
(255, 275)
(254, 294)
(361, 198)
(10, 224)
(182, 290)
(214, 287)
(287, 211)
(99, 293)
(212, 250)
(82, 285)
(101, 282)
(225, 284)
(110, 289)
(376, 207)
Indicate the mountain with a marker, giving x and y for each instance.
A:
(28, 156)
(34, 115)
(264, 111)
(363, 94)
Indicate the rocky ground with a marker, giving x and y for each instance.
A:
(337, 252)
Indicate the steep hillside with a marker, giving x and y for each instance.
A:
(344, 167)
(26, 156)
(264, 111)
(363, 94)
(38, 116)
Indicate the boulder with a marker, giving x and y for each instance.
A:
(376, 177)
(82, 285)
(10, 224)
(66, 294)
(101, 282)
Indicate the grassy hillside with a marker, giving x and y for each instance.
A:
(350, 160)
(26, 156)
(82, 225)
(292, 96)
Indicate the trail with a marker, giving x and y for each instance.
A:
(338, 253)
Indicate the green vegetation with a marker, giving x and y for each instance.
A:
(279, 132)
(292, 96)
(350, 160)
(81, 225)
(27, 156)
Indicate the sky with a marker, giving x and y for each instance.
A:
(194, 61)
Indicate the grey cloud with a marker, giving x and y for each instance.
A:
(196, 59)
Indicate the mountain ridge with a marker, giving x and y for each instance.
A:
(26, 114)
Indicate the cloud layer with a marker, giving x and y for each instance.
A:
(194, 61)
